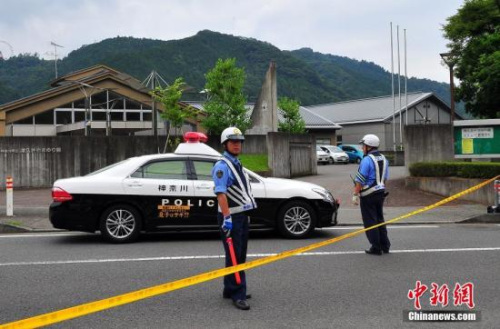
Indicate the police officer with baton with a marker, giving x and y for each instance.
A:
(234, 197)
(369, 193)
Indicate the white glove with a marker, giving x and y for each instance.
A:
(227, 225)
(355, 199)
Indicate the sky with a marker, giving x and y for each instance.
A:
(359, 29)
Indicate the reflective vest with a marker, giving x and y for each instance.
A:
(380, 172)
(239, 195)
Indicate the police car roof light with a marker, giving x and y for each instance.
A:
(195, 137)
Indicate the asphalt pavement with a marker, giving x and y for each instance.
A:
(336, 286)
(31, 205)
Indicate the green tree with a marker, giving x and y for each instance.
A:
(174, 113)
(293, 122)
(474, 34)
(225, 105)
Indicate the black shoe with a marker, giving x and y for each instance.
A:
(372, 251)
(241, 304)
(226, 296)
(385, 251)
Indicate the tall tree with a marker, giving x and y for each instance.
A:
(174, 113)
(293, 122)
(225, 106)
(474, 34)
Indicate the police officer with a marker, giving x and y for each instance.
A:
(369, 192)
(234, 197)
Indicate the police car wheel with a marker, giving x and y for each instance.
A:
(296, 220)
(120, 224)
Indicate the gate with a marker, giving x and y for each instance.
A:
(300, 159)
(291, 155)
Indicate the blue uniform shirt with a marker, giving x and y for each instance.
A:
(223, 177)
(366, 175)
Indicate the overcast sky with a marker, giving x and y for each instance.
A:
(357, 29)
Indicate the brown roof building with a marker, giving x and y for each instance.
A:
(100, 98)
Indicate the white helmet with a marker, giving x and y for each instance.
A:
(231, 133)
(370, 140)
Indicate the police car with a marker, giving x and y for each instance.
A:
(174, 191)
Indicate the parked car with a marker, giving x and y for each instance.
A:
(174, 191)
(335, 154)
(353, 151)
(322, 156)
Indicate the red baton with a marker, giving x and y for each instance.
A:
(229, 242)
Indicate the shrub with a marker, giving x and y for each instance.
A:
(455, 169)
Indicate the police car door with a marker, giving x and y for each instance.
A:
(163, 190)
(205, 201)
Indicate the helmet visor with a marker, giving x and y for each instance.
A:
(235, 137)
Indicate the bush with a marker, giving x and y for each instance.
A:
(455, 169)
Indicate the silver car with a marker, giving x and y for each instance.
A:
(335, 154)
(322, 156)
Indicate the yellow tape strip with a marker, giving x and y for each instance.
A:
(100, 305)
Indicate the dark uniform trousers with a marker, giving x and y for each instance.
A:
(239, 233)
(372, 214)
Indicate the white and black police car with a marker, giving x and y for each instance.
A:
(163, 192)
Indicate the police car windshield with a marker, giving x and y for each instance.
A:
(106, 168)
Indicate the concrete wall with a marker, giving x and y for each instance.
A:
(265, 112)
(448, 186)
(324, 136)
(291, 155)
(395, 158)
(254, 144)
(389, 136)
(39, 161)
(425, 143)
(31, 130)
(352, 134)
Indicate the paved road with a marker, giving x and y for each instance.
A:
(337, 179)
(340, 287)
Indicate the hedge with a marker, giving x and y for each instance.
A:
(483, 170)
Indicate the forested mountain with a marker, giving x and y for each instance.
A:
(310, 77)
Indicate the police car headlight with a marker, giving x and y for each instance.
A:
(327, 196)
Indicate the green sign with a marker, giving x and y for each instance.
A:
(477, 138)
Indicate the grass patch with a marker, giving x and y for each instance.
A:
(254, 162)
(14, 223)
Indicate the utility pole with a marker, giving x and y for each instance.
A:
(448, 59)
(55, 54)
(393, 99)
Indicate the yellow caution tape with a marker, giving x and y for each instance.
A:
(100, 305)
